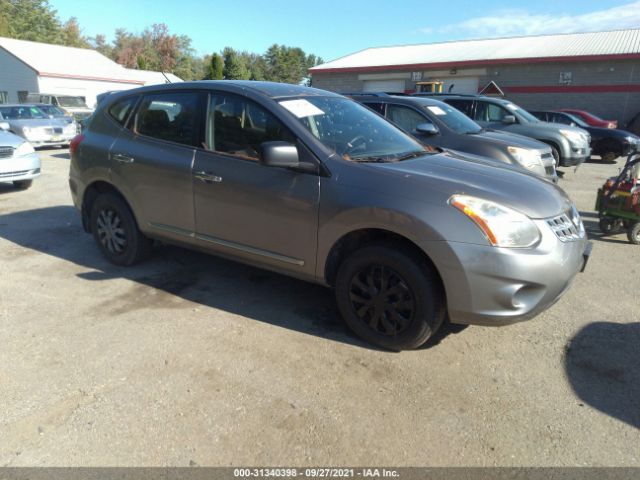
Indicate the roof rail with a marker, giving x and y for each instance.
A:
(428, 94)
(365, 94)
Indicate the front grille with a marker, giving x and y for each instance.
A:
(57, 130)
(14, 174)
(547, 155)
(6, 152)
(565, 228)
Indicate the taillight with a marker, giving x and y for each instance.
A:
(74, 143)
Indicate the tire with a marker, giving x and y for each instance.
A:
(609, 225)
(633, 234)
(556, 155)
(116, 232)
(23, 184)
(401, 316)
(609, 157)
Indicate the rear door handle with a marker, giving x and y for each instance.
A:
(119, 157)
(207, 177)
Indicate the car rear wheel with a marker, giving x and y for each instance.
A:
(633, 234)
(556, 156)
(389, 298)
(22, 184)
(609, 157)
(116, 232)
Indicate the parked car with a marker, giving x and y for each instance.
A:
(19, 163)
(591, 119)
(569, 145)
(55, 112)
(314, 185)
(73, 105)
(607, 143)
(34, 125)
(437, 124)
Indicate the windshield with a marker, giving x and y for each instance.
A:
(577, 120)
(353, 131)
(71, 102)
(453, 118)
(21, 113)
(520, 112)
(52, 110)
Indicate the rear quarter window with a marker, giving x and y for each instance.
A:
(121, 110)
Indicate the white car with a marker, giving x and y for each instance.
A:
(19, 163)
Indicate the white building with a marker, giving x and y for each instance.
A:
(32, 67)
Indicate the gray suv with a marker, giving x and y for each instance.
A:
(440, 125)
(570, 145)
(314, 185)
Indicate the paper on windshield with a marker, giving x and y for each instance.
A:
(301, 108)
(437, 110)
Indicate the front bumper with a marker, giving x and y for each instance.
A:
(25, 167)
(494, 286)
(577, 154)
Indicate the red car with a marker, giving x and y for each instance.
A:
(592, 119)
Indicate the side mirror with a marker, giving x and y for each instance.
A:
(509, 119)
(4, 126)
(427, 129)
(279, 154)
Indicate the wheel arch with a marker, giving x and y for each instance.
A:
(91, 192)
(352, 241)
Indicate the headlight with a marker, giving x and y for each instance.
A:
(573, 136)
(503, 226)
(527, 158)
(632, 139)
(24, 149)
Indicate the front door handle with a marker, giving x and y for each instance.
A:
(121, 158)
(207, 177)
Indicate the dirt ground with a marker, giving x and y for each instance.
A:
(189, 359)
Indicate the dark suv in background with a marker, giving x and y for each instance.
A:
(437, 124)
(314, 185)
(607, 143)
(570, 145)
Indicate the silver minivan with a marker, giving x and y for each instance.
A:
(313, 185)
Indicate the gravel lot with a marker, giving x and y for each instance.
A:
(189, 359)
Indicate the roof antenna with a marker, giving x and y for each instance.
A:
(167, 78)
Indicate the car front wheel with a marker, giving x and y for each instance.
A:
(116, 232)
(22, 184)
(390, 298)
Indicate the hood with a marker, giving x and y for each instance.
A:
(452, 172)
(555, 127)
(36, 122)
(512, 139)
(608, 132)
(8, 139)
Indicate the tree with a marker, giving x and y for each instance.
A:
(235, 67)
(288, 64)
(217, 67)
(72, 34)
(33, 20)
(99, 43)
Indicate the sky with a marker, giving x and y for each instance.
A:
(334, 28)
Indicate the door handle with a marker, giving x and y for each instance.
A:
(119, 157)
(207, 177)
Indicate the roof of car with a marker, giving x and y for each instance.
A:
(399, 99)
(268, 89)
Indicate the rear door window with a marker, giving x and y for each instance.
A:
(465, 106)
(377, 106)
(169, 116)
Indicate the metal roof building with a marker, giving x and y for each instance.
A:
(536, 71)
(33, 67)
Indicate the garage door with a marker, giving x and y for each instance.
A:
(460, 85)
(396, 86)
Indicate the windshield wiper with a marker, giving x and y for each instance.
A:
(409, 155)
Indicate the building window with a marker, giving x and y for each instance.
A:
(22, 96)
(4, 97)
